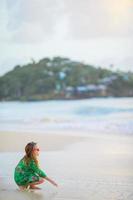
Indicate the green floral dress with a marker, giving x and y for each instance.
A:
(25, 175)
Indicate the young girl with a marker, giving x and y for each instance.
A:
(27, 172)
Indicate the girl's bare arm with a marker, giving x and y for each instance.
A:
(51, 181)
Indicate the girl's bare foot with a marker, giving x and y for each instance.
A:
(23, 188)
(34, 187)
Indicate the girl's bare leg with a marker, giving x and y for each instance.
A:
(33, 185)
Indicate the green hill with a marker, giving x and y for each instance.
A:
(62, 78)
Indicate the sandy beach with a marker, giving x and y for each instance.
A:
(95, 167)
(49, 141)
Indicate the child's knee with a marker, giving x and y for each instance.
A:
(42, 180)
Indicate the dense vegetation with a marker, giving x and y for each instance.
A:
(61, 78)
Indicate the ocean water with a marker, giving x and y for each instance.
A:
(106, 115)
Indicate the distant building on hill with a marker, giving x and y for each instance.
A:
(87, 91)
(108, 80)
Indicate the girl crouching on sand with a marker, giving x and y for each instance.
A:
(27, 172)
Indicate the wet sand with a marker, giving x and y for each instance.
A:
(95, 167)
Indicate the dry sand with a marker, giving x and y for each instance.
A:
(14, 141)
(97, 167)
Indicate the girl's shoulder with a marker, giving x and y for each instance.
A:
(32, 161)
(21, 162)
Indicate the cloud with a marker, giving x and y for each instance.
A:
(38, 20)
(4, 34)
(33, 20)
(99, 18)
(95, 31)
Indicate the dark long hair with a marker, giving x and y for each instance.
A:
(29, 153)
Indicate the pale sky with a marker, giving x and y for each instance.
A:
(97, 32)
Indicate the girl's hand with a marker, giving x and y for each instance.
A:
(51, 181)
(55, 184)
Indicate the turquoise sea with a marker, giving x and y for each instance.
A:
(96, 114)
